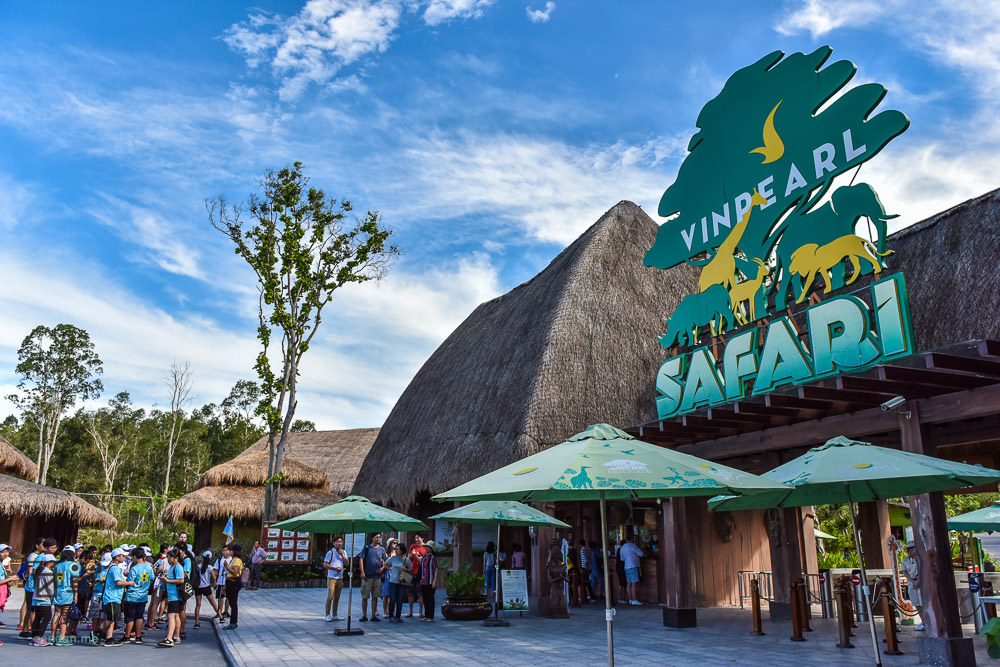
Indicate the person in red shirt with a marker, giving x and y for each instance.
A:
(416, 554)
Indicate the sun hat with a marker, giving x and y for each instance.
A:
(4, 546)
(430, 543)
(207, 553)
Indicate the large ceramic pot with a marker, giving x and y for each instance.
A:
(467, 609)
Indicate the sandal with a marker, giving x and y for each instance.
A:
(197, 626)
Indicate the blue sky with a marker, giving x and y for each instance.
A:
(489, 134)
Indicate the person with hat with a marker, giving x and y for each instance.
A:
(334, 562)
(5, 579)
(173, 580)
(428, 571)
(390, 549)
(114, 589)
(41, 601)
(45, 545)
(67, 573)
(204, 587)
(140, 576)
(416, 554)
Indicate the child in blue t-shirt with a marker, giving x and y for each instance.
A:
(114, 589)
(67, 573)
(136, 596)
(41, 601)
(174, 580)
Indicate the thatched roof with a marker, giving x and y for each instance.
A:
(251, 470)
(575, 345)
(337, 453)
(13, 462)
(244, 503)
(951, 262)
(20, 497)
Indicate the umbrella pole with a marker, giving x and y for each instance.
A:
(350, 591)
(865, 589)
(609, 613)
(496, 577)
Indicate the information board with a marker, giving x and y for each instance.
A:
(286, 546)
(514, 589)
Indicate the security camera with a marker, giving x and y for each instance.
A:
(893, 402)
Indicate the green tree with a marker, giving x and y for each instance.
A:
(298, 246)
(178, 382)
(115, 432)
(303, 426)
(58, 367)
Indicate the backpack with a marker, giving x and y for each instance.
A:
(22, 572)
(360, 557)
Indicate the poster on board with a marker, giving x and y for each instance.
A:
(514, 589)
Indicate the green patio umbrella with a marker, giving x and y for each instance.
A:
(822, 535)
(502, 513)
(986, 520)
(847, 471)
(604, 463)
(353, 513)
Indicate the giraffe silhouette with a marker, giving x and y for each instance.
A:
(581, 480)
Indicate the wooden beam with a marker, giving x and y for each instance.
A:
(989, 348)
(796, 403)
(745, 407)
(960, 405)
(943, 379)
(832, 395)
(974, 365)
(866, 384)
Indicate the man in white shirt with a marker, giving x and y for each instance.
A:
(630, 555)
(257, 558)
(333, 563)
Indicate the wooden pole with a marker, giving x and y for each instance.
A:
(889, 616)
(755, 608)
(842, 591)
(795, 600)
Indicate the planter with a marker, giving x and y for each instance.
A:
(467, 609)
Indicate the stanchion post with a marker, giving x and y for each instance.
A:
(796, 612)
(755, 607)
(989, 607)
(843, 595)
(889, 616)
(804, 606)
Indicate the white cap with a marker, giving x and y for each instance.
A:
(206, 554)
(77, 546)
(46, 558)
(69, 547)
(4, 546)
(106, 560)
(119, 552)
(147, 550)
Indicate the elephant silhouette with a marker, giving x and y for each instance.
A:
(829, 222)
(712, 307)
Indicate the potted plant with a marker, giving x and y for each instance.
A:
(464, 590)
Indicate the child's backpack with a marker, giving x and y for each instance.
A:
(22, 572)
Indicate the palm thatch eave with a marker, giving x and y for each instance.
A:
(243, 503)
(14, 462)
(250, 469)
(19, 497)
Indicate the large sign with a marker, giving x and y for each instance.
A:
(514, 588)
(755, 205)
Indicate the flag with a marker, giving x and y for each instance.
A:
(228, 530)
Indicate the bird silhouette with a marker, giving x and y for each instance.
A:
(773, 147)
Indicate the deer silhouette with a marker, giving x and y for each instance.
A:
(747, 291)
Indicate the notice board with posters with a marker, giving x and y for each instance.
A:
(288, 547)
(514, 588)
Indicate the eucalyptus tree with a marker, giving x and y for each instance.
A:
(58, 367)
(301, 250)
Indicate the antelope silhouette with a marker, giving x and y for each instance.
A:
(581, 480)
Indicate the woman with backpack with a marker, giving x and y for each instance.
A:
(204, 588)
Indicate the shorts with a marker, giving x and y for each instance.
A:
(175, 607)
(632, 574)
(220, 592)
(203, 590)
(370, 588)
(112, 610)
(62, 609)
(134, 611)
(28, 595)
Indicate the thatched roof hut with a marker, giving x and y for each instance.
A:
(14, 462)
(251, 470)
(236, 488)
(575, 345)
(244, 503)
(337, 453)
(21, 498)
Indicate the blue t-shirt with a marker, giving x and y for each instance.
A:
(187, 567)
(29, 582)
(113, 590)
(100, 576)
(142, 575)
(66, 571)
(176, 571)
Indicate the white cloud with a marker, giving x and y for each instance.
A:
(313, 46)
(552, 189)
(540, 15)
(381, 332)
(963, 35)
(16, 200)
(441, 11)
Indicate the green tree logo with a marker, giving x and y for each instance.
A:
(767, 150)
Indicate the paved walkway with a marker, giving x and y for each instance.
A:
(286, 627)
(201, 648)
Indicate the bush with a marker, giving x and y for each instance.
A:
(298, 572)
(464, 583)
